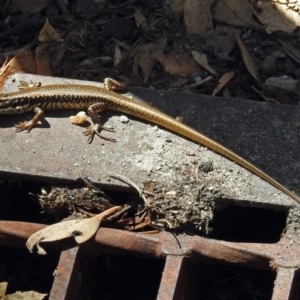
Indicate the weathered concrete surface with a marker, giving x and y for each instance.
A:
(267, 135)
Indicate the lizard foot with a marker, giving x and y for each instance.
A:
(95, 129)
(24, 126)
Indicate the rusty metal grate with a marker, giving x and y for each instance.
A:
(145, 266)
(177, 280)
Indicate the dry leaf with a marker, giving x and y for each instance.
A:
(140, 20)
(235, 13)
(3, 287)
(179, 64)
(197, 17)
(49, 51)
(222, 42)
(275, 16)
(196, 84)
(83, 229)
(179, 82)
(247, 57)
(48, 33)
(222, 82)
(134, 223)
(268, 65)
(24, 62)
(147, 54)
(201, 59)
(80, 229)
(283, 84)
(28, 295)
(117, 55)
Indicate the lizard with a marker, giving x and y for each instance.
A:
(97, 99)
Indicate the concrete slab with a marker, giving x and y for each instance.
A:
(265, 134)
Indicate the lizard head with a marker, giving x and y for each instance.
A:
(12, 104)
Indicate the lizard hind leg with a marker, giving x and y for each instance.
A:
(96, 127)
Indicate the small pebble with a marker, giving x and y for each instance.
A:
(124, 119)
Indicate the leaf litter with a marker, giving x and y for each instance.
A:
(180, 208)
(152, 44)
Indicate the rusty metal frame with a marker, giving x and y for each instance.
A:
(284, 257)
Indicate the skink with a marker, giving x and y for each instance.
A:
(96, 100)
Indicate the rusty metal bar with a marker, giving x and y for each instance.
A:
(174, 277)
(283, 284)
(15, 234)
(112, 241)
(66, 284)
(284, 256)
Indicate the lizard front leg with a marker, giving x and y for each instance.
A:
(28, 125)
(39, 113)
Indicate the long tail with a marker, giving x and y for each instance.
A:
(148, 113)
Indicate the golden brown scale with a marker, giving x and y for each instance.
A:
(97, 99)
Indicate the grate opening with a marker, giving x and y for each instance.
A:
(216, 282)
(248, 224)
(17, 205)
(25, 271)
(295, 288)
(121, 277)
